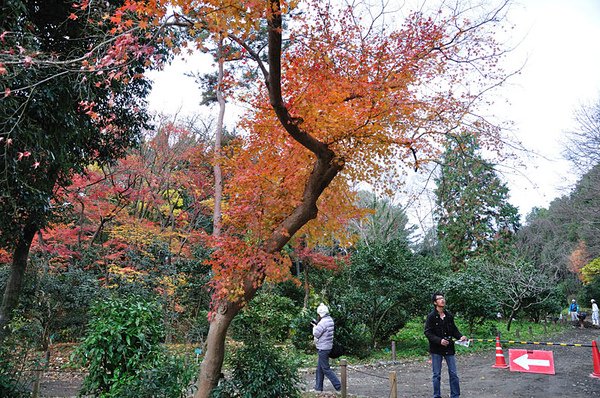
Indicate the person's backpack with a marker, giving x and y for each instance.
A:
(337, 350)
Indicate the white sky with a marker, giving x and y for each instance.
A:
(558, 45)
(562, 71)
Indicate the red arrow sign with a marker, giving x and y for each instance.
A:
(531, 361)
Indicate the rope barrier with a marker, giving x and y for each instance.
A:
(366, 373)
(533, 342)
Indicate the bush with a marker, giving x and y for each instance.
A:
(411, 340)
(590, 291)
(123, 340)
(173, 377)
(259, 371)
(469, 296)
(11, 382)
(267, 318)
(301, 332)
(355, 337)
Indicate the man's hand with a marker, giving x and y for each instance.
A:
(464, 338)
(444, 342)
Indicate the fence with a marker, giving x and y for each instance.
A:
(392, 378)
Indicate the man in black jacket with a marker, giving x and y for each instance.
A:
(441, 332)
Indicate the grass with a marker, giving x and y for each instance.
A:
(411, 342)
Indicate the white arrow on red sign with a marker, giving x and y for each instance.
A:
(524, 362)
(537, 361)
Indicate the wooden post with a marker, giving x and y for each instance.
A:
(344, 371)
(518, 334)
(393, 350)
(393, 385)
(36, 383)
(530, 333)
(38, 374)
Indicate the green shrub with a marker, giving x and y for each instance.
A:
(123, 340)
(18, 353)
(355, 337)
(411, 340)
(12, 383)
(301, 332)
(266, 317)
(173, 377)
(260, 371)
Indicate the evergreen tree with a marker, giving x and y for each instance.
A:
(473, 213)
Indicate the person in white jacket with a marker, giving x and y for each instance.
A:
(595, 319)
(323, 335)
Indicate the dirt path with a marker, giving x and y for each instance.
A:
(573, 366)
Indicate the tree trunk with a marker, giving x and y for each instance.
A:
(210, 370)
(327, 165)
(306, 285)
(14, 283)
(510, 318)
(218, 135)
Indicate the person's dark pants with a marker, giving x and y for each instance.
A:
(323, 370)
(436, 367)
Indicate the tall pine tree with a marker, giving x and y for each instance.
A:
(473, 213)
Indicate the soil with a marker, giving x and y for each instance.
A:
(573, 366)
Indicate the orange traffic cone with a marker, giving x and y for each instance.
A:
(500, 361)
(596, 360)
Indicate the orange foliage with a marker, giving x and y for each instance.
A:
(359, 103)
(5, 257)
(578, 258)
(236, 262)
(133, 204)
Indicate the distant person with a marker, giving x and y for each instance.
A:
(595, 319)
(573, 310)
(581, 315)
(323, 329)
(441, 332)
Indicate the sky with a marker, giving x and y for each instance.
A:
(557, 48)
(561, 73)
